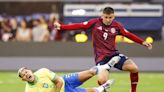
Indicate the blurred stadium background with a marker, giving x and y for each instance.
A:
(70, 51)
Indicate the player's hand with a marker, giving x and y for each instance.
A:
(148, 45)
(57, 25)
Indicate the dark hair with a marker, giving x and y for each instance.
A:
(108, 10)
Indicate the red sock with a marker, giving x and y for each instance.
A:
(134, 80)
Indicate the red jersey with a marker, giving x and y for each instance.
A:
(103, 36)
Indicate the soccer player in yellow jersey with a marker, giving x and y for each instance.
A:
(45, 80)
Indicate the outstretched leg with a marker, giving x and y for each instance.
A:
(85, 75)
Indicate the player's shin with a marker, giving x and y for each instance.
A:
(134, 81)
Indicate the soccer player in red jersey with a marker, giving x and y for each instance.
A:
(104, 31)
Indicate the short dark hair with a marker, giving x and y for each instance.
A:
(108, 10)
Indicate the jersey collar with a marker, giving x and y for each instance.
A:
(35, 81)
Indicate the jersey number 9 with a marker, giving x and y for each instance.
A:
(105, 35)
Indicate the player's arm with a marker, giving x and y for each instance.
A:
(75, 26)
(58, 84)
(135, 38)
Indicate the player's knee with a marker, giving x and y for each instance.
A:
(101, 81)
(135, 69)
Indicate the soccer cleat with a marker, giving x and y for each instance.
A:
(108, 84)
(114, 61)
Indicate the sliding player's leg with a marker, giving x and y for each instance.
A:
(72, 81)
(76, 79)
(85, 75)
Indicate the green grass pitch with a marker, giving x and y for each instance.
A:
(149, 82)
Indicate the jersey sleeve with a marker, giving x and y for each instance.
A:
(129, 35)
(50, 74)
(78, 26)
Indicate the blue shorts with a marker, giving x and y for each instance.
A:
(118, 65)
(72, 82)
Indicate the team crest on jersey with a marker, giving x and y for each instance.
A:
(113, 30)
(100, 27)
(45, 85)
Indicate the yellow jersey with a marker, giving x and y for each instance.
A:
(44, 82)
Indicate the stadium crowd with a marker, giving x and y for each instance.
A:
(37, 29)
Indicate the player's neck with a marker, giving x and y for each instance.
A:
(34, 81)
